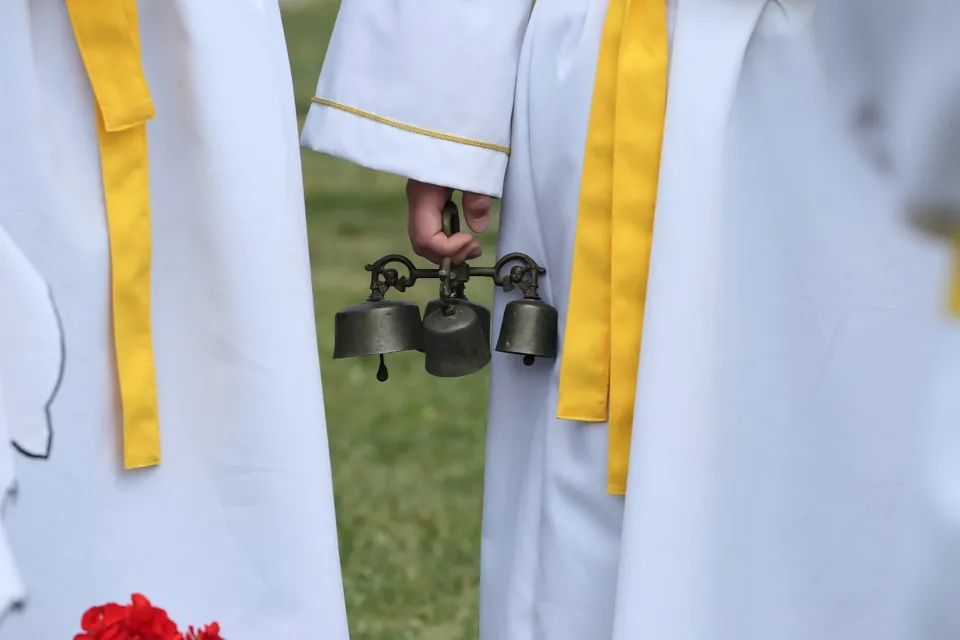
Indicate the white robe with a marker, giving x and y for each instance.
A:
(31, 372)
(11, 585)
(237, 523)
(788, 334)
(905, 66)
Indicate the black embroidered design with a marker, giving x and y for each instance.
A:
(44, 454)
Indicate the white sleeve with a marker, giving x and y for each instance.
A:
(421, 88)
(897, 60)
(896, 65)
(31, 368)
(11, 587)
(31, 351)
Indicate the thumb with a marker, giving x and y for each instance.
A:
(476, 211)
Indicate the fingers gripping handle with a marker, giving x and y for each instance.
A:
(451, 225)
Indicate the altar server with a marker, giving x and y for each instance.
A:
(746, 474)
(895, 60)
(150, 175)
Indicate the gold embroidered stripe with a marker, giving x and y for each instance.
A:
(108, 38)
(618, 195)
(410, 128)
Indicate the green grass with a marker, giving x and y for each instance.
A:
(407, 455)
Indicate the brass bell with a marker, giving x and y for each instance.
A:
(377, 327)
(529, 329)
(482, 312)
(454, 342)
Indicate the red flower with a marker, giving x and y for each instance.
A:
(209, 632)
(139, 620)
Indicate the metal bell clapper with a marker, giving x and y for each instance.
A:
(454, 334)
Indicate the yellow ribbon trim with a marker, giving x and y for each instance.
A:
(409, 128)
(954, 299)
(618, 195)
(108, 37)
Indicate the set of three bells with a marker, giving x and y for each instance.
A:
(454, 333)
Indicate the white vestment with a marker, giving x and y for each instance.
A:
(11, 585)
(237, 523)
(31, 371)
(787, 342)
(898, 57)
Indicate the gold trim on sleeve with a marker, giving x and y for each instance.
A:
(410, 128)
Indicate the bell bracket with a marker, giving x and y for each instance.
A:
(512, 271)
(523, 275)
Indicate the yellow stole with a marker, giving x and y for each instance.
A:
(108, 38)
(618, 196)
(954, 300)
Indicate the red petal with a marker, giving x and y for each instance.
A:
(112, 614)
(91, 618)
(140, 600)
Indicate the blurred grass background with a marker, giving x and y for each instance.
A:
(407, 455)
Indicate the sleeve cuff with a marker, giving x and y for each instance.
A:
(382, 144)
(11, 588)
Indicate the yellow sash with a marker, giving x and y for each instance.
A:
(108, 38)
(954, 300)
(618, 195)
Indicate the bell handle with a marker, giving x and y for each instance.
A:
(447, 286)
(451, 218)
(455, 275)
